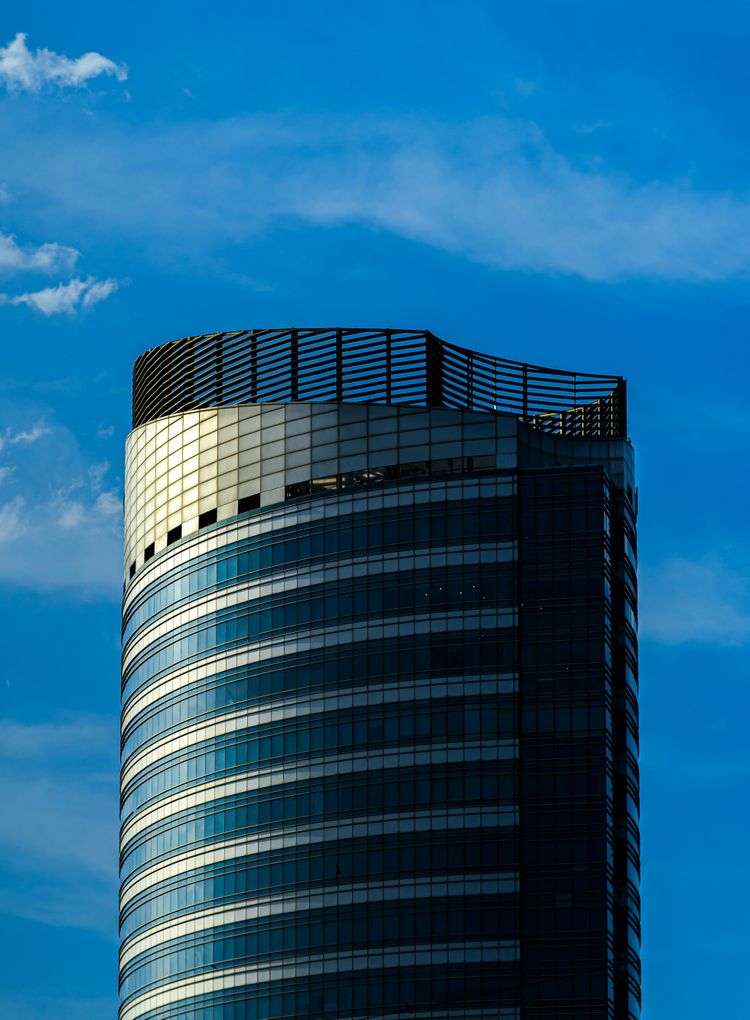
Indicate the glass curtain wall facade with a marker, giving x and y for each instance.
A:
(379, 729)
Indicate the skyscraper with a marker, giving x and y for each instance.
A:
(380, 721)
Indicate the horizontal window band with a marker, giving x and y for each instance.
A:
(237, 753)
(445, 954)
(377, 695)
(377, 630)
(285, 669)
(377, 709)
(331, 571)
(491, 989)
(314, 798)
(363, 827)
(415, 855)
(284, 516)
(325, 766)
(381, 928)
(452, 1014)
(385, 532)
(291, 610)
(343, 895)
(367, 477)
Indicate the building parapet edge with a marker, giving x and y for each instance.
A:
(391, 366)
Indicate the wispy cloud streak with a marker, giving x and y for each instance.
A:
(685, 601)
(58, 827)
(23, 437)
(495, 191)
(43, 1007)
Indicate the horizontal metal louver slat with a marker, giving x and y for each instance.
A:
(370, 366)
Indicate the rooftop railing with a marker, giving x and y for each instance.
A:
(370, 366)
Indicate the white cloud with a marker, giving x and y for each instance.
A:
(46, 258)
(79, 737)
(499, 194)
(22, 70)
(78, 504)
(39, 1007)
(98, 290)
(64, 298)
(51, 258)
(60, 517)
(11, 523)
(97, 474)
(23, 437)
(29, 436)
(694, 601)
(108, 505)
(71, 515)
(58, 782)
(493, 190)
(46, 814)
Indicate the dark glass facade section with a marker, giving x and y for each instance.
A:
(578, 770)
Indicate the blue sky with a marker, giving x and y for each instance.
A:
(564, 183)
